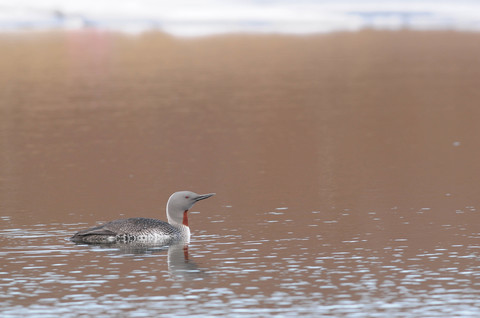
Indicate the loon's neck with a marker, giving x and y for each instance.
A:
(178, 222)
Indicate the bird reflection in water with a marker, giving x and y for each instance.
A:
(180, 263)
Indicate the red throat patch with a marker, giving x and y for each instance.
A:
(185, 218)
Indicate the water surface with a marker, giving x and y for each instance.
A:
(345, 166)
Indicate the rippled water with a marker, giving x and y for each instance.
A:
(346, 184)
(287, 273)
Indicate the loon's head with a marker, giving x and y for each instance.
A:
(180, 202)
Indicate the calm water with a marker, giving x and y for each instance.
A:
(345, 166)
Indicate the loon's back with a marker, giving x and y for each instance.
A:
(128, 230)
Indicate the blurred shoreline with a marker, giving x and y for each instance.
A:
(186, 18)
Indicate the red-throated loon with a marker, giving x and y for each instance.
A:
(147, 230)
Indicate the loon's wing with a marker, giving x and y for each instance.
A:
(98, 230)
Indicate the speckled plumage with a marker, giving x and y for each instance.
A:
(129, 230)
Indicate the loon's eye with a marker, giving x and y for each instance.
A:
(187, 197)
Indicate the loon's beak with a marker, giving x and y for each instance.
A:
(203, 196)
